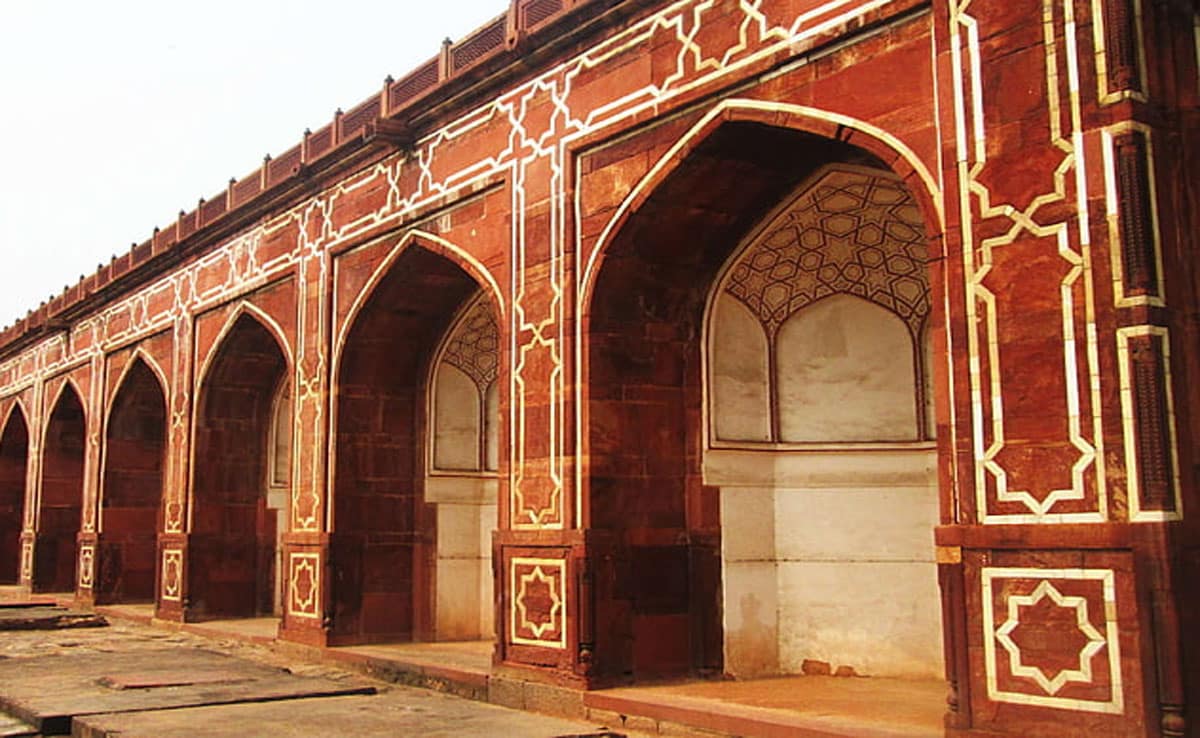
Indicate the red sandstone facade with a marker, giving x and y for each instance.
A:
(493, 294)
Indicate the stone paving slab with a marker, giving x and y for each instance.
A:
(35, 616)
(397, 712)
(789, 707)
(48, 692)
(10, 727)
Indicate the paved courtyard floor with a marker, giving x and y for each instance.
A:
(788, 707)
(137, 681)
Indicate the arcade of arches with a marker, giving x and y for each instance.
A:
(711, 340)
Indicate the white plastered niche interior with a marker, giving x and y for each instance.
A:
(461, 477)
(819, 427)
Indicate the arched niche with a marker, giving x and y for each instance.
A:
(413, 497)
(14, 466)
(135, 444)
(827, 491)
(850, 237)
(60, 506)
(233, 568)
(644, 312)
(462, 479)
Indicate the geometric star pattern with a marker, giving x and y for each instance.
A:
(1061, 632)
(172, 574)
(539, 602)
(304, 584)
(1093, 643)
(87, 560)
(474, 348)
(851, 231)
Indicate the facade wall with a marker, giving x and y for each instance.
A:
(592, 194)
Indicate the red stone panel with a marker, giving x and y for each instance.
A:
(279, 241)
(539, 612)
(1030, 289)
(1054, 634)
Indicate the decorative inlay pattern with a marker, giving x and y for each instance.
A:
(1059, 636)
(304, 584)
(851, 231)
(172, 574)
(87, 565)
(474, 348)
(539, 603)
(1133, 224)
(26, 561)
(1028, 470)
(1048, 678)
(1138, 259)
(1148, 419)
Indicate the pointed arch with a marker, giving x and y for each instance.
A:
(249, 310)
(263, 320)
(926, 188)
(14, 476)
(60, 496)
(643, 295)
(144, 360)
(139, 354)
(462, 258)
(68, 383)
(17, 406)
(130, 496)
(835, 126)
(234, 525)
(384, 513)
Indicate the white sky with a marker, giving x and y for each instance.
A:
(114, 115)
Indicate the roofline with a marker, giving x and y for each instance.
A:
(495, 55)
